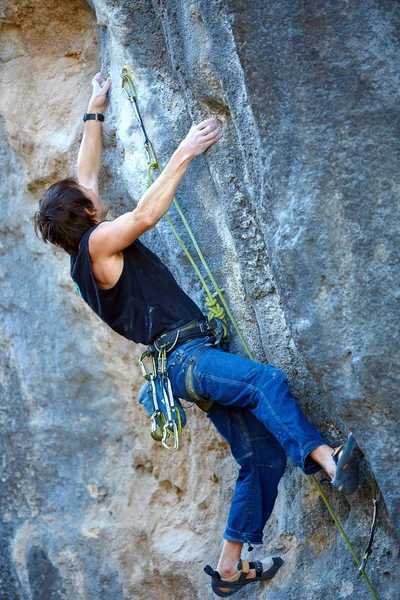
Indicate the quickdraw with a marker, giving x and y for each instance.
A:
(130, 92)
(374, 524)
(165, 412)
(213, 305)
(167, 416)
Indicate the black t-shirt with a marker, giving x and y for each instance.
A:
(145, 301)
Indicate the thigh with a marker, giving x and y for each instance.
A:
(230, 379)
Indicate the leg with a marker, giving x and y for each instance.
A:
(233, 380)
(262, 463)
(226, 378)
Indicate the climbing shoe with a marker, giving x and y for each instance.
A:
(346, 477)
(264, 569)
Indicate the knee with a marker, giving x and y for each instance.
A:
(271, 377)
(267, 451)
(271, 456)
(276, 373)
(279, 463)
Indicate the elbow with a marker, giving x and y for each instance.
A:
(149, 223)
(146, 219)
(149, 220)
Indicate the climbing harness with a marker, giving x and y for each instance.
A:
(167, 416)
(216, 310)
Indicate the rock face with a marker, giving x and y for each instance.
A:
(296, 209)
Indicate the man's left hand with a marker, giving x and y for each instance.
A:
(99, 100)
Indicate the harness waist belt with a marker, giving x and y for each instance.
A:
(184, 333)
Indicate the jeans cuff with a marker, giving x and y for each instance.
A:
(231, 535)
(308, 465)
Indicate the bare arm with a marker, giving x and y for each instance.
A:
(90, 151)
(111, 237)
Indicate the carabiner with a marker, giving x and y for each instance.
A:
(145, 373)
(162, 362)
(157, 426)
(179, 424)
(151, 156)
(126, 79)
(166, 435)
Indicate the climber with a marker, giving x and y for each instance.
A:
(130, 289)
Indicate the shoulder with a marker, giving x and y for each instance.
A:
(98, 238)
(110, 238)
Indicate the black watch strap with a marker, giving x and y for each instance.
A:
(93, 117)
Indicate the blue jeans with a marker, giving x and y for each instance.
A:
(256, 413)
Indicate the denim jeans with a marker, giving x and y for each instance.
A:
(256, 413)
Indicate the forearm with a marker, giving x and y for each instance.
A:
(90, 151)
(158, 198)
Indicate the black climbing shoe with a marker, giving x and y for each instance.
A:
(346, 478)
(265, 570)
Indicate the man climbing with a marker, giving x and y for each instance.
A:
(129, 288)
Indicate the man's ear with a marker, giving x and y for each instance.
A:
(91, 213)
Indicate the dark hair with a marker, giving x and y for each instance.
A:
(62, 219)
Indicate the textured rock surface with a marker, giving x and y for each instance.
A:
(296, 210)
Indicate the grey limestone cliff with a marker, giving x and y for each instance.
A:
(297, 212)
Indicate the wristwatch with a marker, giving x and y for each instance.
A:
(93, 117)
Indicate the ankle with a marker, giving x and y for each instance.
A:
(323, 456)
(229, 558)
(331, 470)
(227, 570)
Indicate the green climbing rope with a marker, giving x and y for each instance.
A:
(344, 536)
(211, 301)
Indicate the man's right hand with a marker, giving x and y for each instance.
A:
(201, 137)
